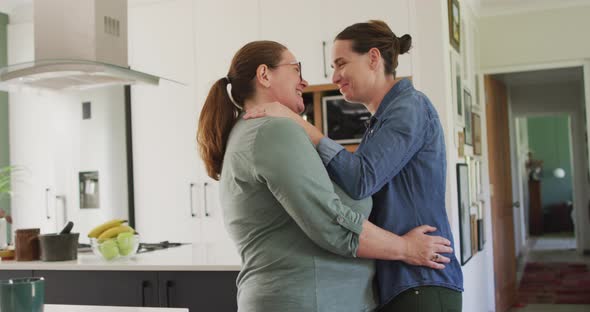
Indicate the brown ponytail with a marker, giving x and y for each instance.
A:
(376, 34)
(218, 116)
(220, 113)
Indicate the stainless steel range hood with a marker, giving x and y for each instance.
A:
(79, 44)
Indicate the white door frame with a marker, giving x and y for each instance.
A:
(581, 199)
(520, 221)
(586, 201)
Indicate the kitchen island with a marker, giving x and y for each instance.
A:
(79, 308)
(190, 257)
(201, 277)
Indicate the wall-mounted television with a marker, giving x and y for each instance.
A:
(344, 122)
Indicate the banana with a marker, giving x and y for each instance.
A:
(114, 231)
(105, 226)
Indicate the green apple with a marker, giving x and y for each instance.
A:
(109, 249)
(125, 241)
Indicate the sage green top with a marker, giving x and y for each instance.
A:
(296, 232)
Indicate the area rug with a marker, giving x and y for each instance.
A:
(555, 283)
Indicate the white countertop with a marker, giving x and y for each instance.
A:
(87, 308)
(193, 257)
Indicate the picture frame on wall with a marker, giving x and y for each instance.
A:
(474, 233)
(471, 167)
(480, 235)
(457, 90)
(476, 123)
(461, 144)
(464, 213)
(454, 24)
(467, 112)
(478, 179)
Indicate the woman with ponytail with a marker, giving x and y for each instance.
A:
(301, 239)
(401, 162)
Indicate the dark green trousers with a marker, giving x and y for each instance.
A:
(426, 299)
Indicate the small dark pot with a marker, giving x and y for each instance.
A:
(59, 247)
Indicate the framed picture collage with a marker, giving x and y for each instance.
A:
(468, 112)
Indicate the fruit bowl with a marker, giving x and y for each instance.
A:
(123, 246)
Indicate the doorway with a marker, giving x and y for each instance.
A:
(546, 138)
(545, 152)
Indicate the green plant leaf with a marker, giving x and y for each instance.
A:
(5, 177)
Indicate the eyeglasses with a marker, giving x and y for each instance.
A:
(294, 63)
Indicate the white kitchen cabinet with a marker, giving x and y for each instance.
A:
(32, 143)
(32, 149)
(308, 29)
(172, 201)
(164, 120)
(221, 28)
(338, 14)
(235, 23)
(298, 26)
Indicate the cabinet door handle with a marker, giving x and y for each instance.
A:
(145, 285)
(169, 291)
(205, 199)
(47, 190)
(190, 193)
(324, 58)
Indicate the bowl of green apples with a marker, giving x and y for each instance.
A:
(123, 246)
(117, 241)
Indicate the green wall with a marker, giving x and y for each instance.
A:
(549, 141)
(4, 149)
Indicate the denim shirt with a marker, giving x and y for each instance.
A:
(401, 163)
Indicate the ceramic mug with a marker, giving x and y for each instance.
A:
(22, 294)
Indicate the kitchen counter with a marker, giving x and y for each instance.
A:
(88, 308)
(192, 257)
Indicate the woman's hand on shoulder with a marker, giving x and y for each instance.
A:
(425, 250)
(276, 109)
(271, 109)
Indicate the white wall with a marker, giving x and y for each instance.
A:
(431, 74)
(537, 37)
(565, 98)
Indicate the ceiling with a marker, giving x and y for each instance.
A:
(548, 76)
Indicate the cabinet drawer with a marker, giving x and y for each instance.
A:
(107, 288)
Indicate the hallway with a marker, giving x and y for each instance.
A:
(551, 249)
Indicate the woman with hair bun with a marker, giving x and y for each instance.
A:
(401, 162)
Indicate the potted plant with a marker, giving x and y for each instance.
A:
(5, 190)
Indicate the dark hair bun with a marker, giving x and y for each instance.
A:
(405, 43)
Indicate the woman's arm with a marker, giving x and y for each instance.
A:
(415, 247)
(363, 173)
(289, 165)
